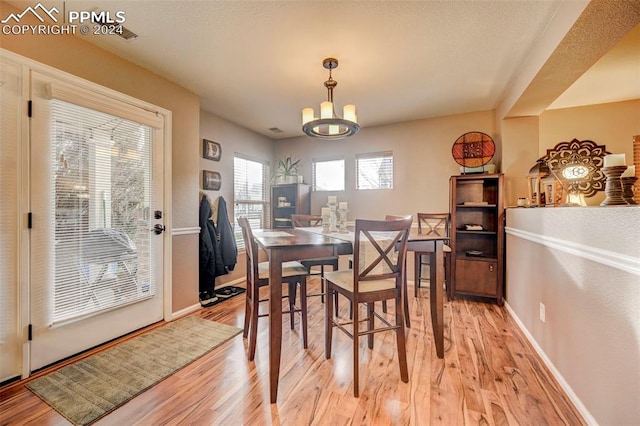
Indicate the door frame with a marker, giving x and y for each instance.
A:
(29, 65)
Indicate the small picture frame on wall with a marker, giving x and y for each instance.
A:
(211, 150)
(211, 181)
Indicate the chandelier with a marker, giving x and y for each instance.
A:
(329, 125)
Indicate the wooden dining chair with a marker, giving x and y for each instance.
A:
(293, 274)
(380, 247)
(404, 280)
(307, 220)
(437, 225)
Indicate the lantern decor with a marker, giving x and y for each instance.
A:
(553, 191)
(535, 185)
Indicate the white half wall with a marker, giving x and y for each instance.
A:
(583, 264)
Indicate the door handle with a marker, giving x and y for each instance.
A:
(158, 229)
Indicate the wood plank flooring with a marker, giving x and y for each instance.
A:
(489, 376)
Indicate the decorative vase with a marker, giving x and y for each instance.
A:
(613, 186)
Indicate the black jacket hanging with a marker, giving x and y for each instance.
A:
(210, 255)
(224, 229)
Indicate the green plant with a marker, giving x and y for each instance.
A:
(286, 167)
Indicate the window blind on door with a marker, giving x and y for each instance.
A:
(101, 193)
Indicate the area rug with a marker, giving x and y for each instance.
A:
(223, 294)
(92, 387)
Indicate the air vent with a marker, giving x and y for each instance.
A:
(276, 130)
(127, 34)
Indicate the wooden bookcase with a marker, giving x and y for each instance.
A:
(297, 195)
(477, 264)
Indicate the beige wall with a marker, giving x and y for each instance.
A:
(78, 57)
(519, 154)
(422, 163)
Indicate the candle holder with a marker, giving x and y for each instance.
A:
(332, 217)
(342, 221)
(613, 186)
(326, 219)
(627, 188)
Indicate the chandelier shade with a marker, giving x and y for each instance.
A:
(330, 126)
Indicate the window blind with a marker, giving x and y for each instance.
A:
(328, 174)
(250, 194)
(374, 170)
(101, 178)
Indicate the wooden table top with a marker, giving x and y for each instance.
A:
(414, 237)
(269, 238)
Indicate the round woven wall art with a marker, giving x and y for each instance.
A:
(473, 149)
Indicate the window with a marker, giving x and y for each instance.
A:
(374, 170)
(328, 174)
(250, 185)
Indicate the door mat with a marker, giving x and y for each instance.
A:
(90, 388)
(223, 294)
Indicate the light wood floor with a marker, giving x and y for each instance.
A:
(489, 376)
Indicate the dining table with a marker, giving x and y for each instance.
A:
(282, 245)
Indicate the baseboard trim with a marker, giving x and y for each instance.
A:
(186, 311)
(232, 282)
(193, 308)
(586, 415)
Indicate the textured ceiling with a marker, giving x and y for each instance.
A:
(258, 63)
(614, 77)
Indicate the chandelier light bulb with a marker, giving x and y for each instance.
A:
(349, 113)
(326, 110)
(307, 115)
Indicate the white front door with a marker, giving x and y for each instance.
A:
(96, 195)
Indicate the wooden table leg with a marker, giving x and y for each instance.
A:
(275, 320)
(437, 299)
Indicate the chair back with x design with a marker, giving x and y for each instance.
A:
(435, 224)
(305, 220)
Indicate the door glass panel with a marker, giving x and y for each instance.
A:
(101, 184)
